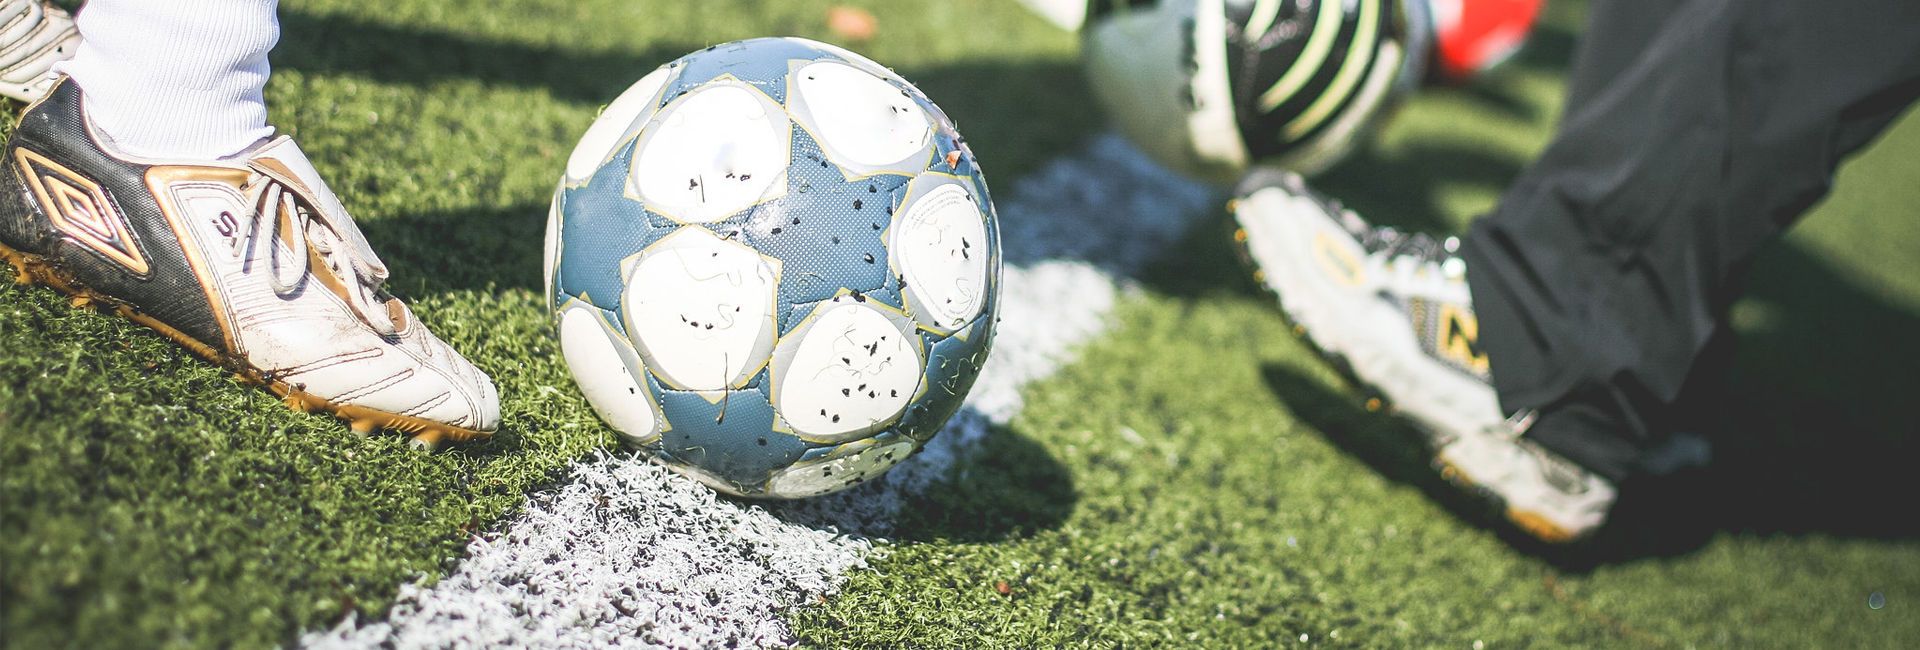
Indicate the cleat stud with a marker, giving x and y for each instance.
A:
(1240, 234)
(426, 441)
(1259, 276)
(1299, 330)
(1373, 403)
(363, 426)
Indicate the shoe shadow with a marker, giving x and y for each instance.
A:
(471, 249)
(1385, 442)
(1817, 428)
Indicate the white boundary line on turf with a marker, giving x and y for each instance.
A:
(628, 555)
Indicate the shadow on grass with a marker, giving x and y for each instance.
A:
(411, 55)
(1389, 444)
(1820, 425)
(473, 249)
(1004, 486)
(1015, 114)
(1009, 487)
(1813, 428)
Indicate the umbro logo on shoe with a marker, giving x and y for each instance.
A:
(81, 210)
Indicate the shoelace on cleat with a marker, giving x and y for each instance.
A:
(1558, 473)
(355, 263)
(1393, 244)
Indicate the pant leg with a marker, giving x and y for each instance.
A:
(1612, 260)
(1616, 32)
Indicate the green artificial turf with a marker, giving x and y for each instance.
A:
(149, 500)
(1197, 479)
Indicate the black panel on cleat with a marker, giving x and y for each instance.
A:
(168, 291)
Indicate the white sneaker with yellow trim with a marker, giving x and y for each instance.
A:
(1393, 311)
(252, 263)
(34, 35)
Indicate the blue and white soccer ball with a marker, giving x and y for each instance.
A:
(774, 266)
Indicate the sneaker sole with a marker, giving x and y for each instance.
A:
(422, 434)
(1533, 523)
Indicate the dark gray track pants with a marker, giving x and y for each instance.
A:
(1696, 131)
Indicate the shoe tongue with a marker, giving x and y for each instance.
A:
(283, 160)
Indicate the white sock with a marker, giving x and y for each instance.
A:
(176, 79)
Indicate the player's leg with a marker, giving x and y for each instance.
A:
(33, 36)
(173, 78)
(1616, 32)
(147, 181)
(1396, 312)
(1611, 262)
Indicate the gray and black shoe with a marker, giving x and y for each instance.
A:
(1393, 310)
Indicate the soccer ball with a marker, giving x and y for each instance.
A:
(774, 267)
(1209, 87)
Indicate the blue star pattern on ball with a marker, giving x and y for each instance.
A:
(774, 265)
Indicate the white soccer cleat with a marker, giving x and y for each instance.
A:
(251, 263)
(1393, 311)
(34, 35)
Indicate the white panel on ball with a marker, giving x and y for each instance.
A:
(847, 371)
(860, 118)
(858, 59)
(550, 251)
(616, 391)
(614, 124)
(700, 308)
(712, 153)
(939, 244)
